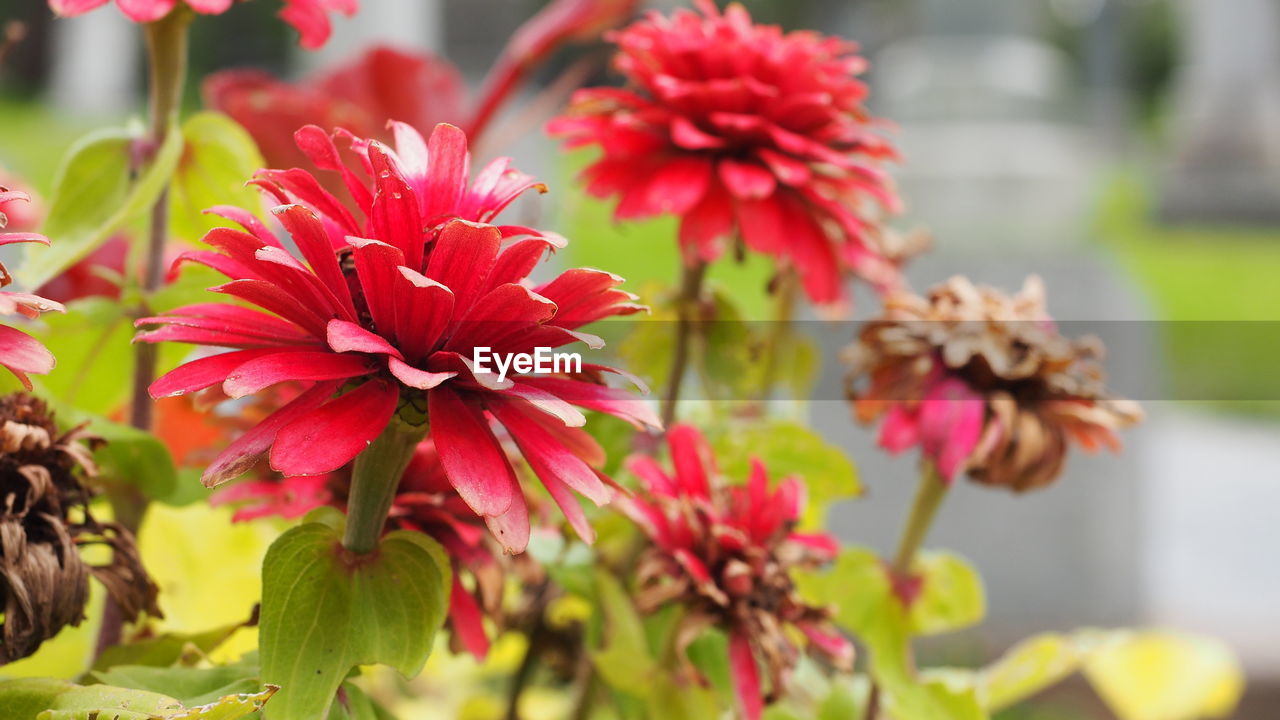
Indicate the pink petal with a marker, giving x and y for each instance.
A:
(344, 336)
(547, 456)
(22, 353)
(71, 8)
(746, 181)
(951, 418)
(415, 378)
(202, 372)
(691, 457)
(450, 167)
(332, 435)
(601, 398)
(145, 11)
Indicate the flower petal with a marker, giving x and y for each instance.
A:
(333, 434)
(470, 454)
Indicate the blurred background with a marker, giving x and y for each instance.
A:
(1128, 151)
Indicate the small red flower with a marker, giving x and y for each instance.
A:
(20, 353)
(426, 502)
(385, 307)
(726, 553)
(309, 17)
(740, 127)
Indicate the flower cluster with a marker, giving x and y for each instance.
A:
(309, 17)
(44, 583)
(726, 554)
(740, 127)
(984, 383)
(20, 353)
(381, 314)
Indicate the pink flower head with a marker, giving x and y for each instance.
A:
(309, 17)
(426, 502)
(20, 353)
(747, 133)
(383, 310)
(726, 553)
(984, 383)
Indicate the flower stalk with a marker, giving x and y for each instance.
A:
(686, 314)
(374, 479)
(167, 43)
(929, 496)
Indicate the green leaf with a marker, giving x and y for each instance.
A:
(95, 193)
(164, 650)
(625, 662)
(952, 597)
(874, 613)
(217, 159)
(788, 448)
(136, 458)
(1029, 667)
(24, 699)
(191, 686)
(325, 612)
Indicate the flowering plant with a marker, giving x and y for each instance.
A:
(316, 306)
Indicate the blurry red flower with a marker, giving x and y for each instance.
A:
(726, 552)
(20, 353)
(309, 17)
(984, 383)
(425, 502)
(386, 311)
(740, 127)
(419, 89)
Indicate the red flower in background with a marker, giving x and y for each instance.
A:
(726, 552)
(426, 502)
(385, 307)
(309, 17)
(737, 127)
(20, 353)
(419, 89)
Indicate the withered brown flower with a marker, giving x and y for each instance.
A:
(984, 382)
(44, 521)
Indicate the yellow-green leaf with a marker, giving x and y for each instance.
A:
(952, 597)
(1152, 675)
(1029, 667)
(218, 158)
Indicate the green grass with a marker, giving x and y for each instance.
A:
(1213, 280)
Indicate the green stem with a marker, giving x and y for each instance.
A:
(167, 40)
(686, 312)
(374, 479)
(780, 329)
(167, 61)
(929, 497)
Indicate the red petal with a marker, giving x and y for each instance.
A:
(447, 177)
(202, 373)
(21, 353)
(241, 455)
(344, 336)
(332, 435)
(467, 620)
(547, 456)
(746, 181)
(691, 457)
(470, 454)
(262, 372)
(461, 259)
(423, 310)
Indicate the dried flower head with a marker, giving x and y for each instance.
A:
(984, 383)
(747, 134)
(726, 553)
(44, 519)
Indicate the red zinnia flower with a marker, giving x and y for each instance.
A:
(20, 353)
(425, 502)
(387, 309)
(726, 552)
(309, 17)
(732, 125)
